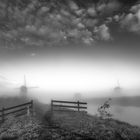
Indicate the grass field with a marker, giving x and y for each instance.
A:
(95, 127)
(65, 125)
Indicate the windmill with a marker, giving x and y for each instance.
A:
(24, 88)
(117, 89)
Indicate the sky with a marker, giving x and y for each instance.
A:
(70, 47)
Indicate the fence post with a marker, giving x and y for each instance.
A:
(32, 110)
(3, 114)
(51, 105)
(78, 106)
(51, 109)
(28, 111)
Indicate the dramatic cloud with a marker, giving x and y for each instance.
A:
(103, 32)
(48, 23)
(132, 20)
(107, 8)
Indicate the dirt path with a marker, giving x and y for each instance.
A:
(55, 132)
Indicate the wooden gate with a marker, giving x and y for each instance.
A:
(18, 110)
(57, 105)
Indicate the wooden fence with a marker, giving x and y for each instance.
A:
(18, 110)
(67, 105)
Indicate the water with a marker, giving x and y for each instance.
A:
(128, 114)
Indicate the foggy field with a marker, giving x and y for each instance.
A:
(95, 127)
(65, 125)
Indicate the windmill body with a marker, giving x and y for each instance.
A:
(24, 89)
(118, 89)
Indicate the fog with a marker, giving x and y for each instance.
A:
(61, 74)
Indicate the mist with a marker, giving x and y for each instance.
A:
(63, 73)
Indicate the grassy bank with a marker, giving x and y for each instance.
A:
(67, 126)
(95, 127)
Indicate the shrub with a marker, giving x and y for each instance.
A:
(103, 110)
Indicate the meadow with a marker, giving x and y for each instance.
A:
(66, 125)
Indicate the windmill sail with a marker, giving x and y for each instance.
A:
(24, 88)
(117, 88)
(24, 80)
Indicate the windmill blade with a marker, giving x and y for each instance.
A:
(24, 80)
(118, 83)
(5, 81)
(17, 88)
(32, 87)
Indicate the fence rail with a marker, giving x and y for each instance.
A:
(26, 107)
(68, 102)
(67, 105)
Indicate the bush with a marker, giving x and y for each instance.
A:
(103, 110)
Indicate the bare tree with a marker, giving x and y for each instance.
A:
(77, 96)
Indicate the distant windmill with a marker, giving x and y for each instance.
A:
(117, 88)
(24, 88)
